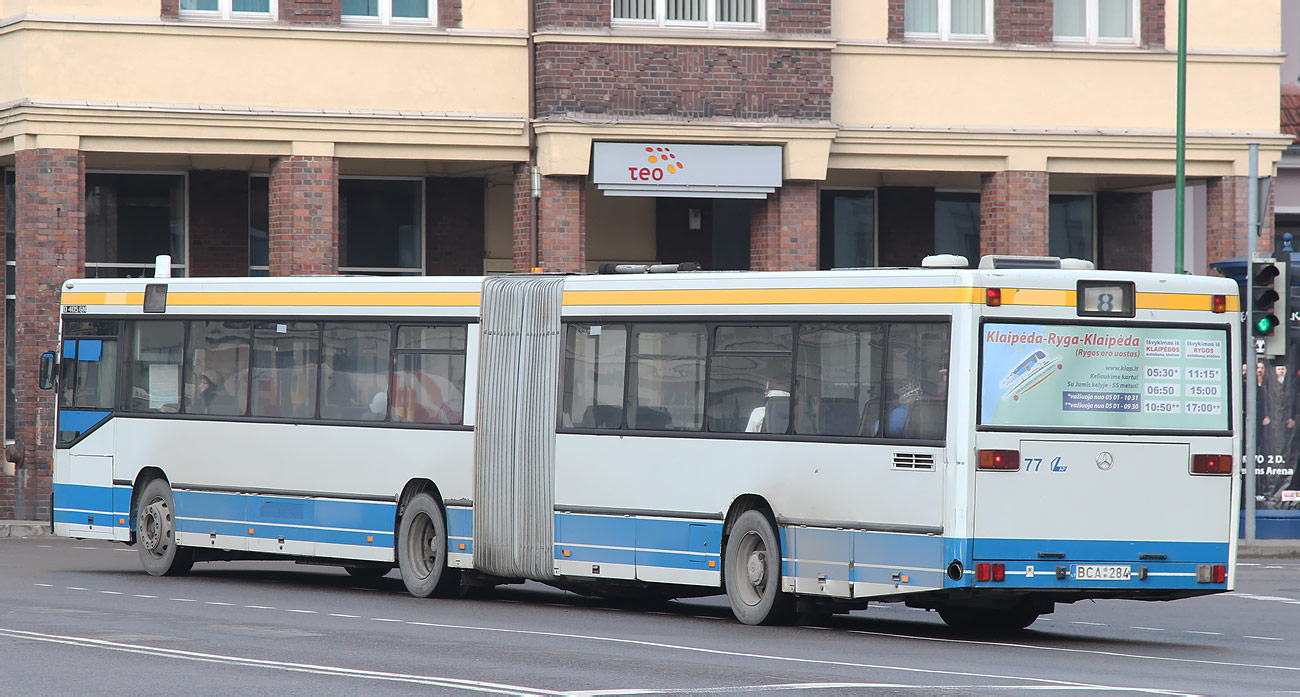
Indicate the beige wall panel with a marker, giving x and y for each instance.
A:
(1006, 90)
(620, 228)
(498, 217)
(82, 8)
(495, 15)
(260, 69)
(860, 20)
(1227, 24)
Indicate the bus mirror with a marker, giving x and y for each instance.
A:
(47, 370)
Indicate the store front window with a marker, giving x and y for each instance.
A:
(1071, 228)
(130, 220)
(381, 227)
(848, 229)
(957, 224)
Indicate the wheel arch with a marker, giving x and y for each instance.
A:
(412, 489)
(142, 479)
(739, 505)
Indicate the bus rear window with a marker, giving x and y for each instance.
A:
(1091, 376)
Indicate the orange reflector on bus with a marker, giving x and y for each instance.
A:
(1218, 303)
(1212, 464)
(370, 538)
(565, 552)
(993, 297)
(462, 545)
(712, 563)
(999, 460)
(250, 531)
(121, 521)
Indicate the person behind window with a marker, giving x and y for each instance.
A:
(212, 398)
(772, 416)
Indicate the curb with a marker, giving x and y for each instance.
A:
(1289, 550)
(24, 528)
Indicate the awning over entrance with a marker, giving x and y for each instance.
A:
(686, 171)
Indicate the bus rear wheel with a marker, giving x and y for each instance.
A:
(422, 548)
(752, 571)
(155, 532)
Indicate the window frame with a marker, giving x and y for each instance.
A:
(385, 17)
(180, 267)
(867, 191)
(225, 12)
(1093, 229)
(945, 33)
(1092, 27)
(421, 220)
(710, 22)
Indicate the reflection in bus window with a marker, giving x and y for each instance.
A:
(153, 366)
(429, 377)
(285, 366)
(216, 367)
(838, 381)
(668, 389)
(749, 379)
(594, 369)
(354, 370)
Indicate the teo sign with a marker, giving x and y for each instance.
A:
(686, 170)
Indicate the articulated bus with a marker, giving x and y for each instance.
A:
(982, 442)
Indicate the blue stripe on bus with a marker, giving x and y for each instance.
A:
(1096, 550)
(460, 529)
(209, 505)
(356, 515)
(83, 497)
(608, 531)
(648, 542)
(603, 555)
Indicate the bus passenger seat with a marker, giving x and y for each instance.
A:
(837, 416)
(869, 424)
(602, 416)
(652, 418)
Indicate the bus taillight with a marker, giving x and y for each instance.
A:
(993, 297)
(1211, 573)
(999, 460)
(1218, 303)
(1211, 464)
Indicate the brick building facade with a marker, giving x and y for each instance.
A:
(894, 143)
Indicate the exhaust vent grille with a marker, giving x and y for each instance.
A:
(914, 461)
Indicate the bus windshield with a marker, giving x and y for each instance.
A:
(1091, 376)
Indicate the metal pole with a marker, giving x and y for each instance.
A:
(1252, 390)
(1180, 149)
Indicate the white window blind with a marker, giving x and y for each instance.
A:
(702, 13)
(1095, 21)
(948, 19)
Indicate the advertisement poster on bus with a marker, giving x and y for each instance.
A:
(1135, 378)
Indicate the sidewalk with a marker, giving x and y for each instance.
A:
(24, 528)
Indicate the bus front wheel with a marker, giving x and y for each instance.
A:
(752, 571)
(155, 532)
(422, 548)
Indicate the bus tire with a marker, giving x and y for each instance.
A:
(752, 571)
(988, 620)
(422, 548)
(155, 532)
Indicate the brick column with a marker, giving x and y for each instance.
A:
(1226, 214)
(522, 228)
(783, 229)
(562, 225)
(304, 213)
(1013, 213)
(6, 483)
(50, 248)
(218, 223)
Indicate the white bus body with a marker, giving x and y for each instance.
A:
(1104, 469)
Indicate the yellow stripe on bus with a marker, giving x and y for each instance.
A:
(302, 299)
(773, 296)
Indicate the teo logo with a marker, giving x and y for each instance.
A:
(662, 163)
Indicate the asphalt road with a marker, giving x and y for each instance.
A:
(81, 617)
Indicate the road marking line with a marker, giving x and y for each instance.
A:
(92, 548)
(383, 619)
(936, 689)
(184, 600)
(1264, 638)
(213, 602)
(75, 588)
(258, 607)
(1092, 624)
(305, 612)
(339, 614)
(335, 671)
(111, 592)
(1269, 598)
(1275, 567)
(44, 585)
(1061, 684)
(1148, 629)
(1193, 631)
(145, 596)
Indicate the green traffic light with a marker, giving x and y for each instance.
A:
(1265, 325)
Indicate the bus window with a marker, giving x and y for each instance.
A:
(749, 379)
(89, 376)
(668, 390)
(153, 366)
(916, 381)
(838, 379)
(595, 362)
(429, 379)
(354, 370)
(285, 367)
(216, 367)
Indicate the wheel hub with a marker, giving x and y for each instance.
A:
(153, 516)
(756, 567)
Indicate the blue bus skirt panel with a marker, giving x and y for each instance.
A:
(663, 550)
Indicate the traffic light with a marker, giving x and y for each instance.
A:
(1267, 306)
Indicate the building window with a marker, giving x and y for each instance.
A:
(738, 14)
(259, 225)
(11, 294)
(1095, 21)
(848, 229)
(948, 20)
(130, 220)
(381, 227)
(228, 9)
(957, 224)
(390, 11)
(1070, 224)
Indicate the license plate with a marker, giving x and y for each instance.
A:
(1102, 572)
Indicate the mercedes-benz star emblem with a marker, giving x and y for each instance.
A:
(1105, 461)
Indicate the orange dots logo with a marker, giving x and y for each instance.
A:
(662, 162)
